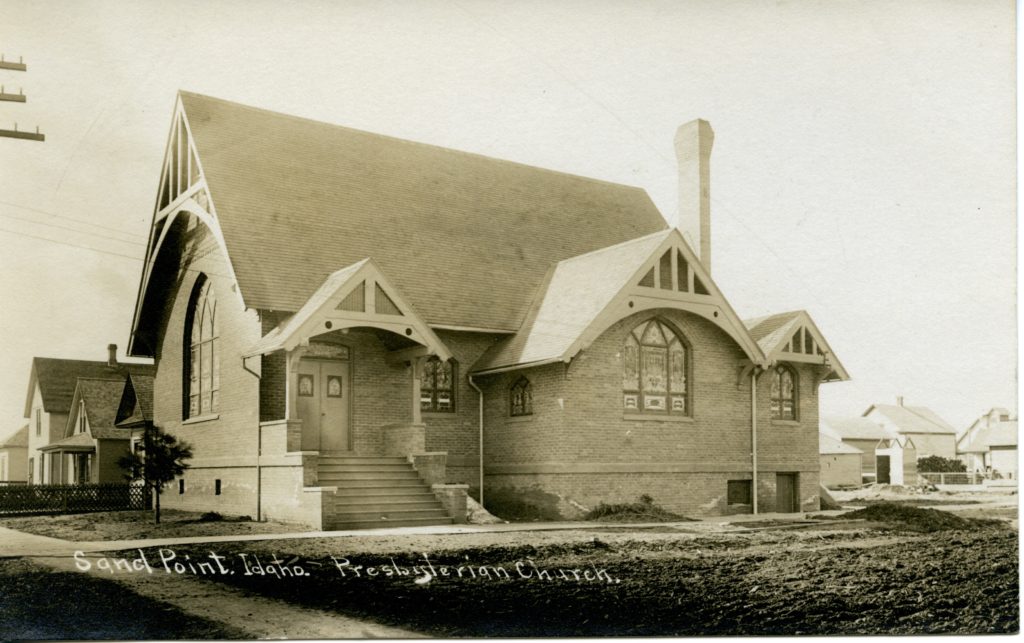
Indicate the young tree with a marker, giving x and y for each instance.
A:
(162, 459)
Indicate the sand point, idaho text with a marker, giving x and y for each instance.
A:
(421, 571)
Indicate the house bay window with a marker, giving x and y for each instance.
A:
(437, 386)
(655, 364)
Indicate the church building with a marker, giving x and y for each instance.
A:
(353, 330)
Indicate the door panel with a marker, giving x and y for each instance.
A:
(785, 492)
(323, 401)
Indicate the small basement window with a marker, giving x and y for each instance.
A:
(739, 492)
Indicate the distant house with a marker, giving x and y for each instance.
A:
(990, 444)
(860, 433)
(14, 457)
(840, 463)
(930, 433)
(51, 388)
(92, 444)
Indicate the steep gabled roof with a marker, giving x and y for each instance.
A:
(136, 406)
(583, 295)
(467, 237)
(17, 439)
(102, 398)
(359, 295)
(793, 336)
(912, 419)
(57, 379)
(855, 428)
(574, 292)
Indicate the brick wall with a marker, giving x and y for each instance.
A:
(458, 433)
(582, 447)
(222, 443)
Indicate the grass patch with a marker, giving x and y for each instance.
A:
(644, 510)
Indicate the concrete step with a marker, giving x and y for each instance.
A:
(363, 467)
(340, 507)
(362, 459)
(372, 495)
(384, 524)
(393, 514)
(371, 483)
(409, 474)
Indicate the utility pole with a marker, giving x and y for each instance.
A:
(17, 98)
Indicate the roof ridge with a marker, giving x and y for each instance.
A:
(407, 141)
(927, 419)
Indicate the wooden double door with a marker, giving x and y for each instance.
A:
(324, 402)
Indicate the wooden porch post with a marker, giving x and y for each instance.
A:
(416, 367)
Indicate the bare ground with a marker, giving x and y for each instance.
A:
(765, 577)
(811, 581)
(134, 525)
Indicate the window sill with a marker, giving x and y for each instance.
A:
(786, 422)
(645, 417)
(519, 418)
(438, 414)
(201, 418)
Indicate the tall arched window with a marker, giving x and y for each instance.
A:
(784, 393)
(655, 368)
(202, 359)
(520, 398)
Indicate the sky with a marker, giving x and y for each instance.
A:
(864, 162)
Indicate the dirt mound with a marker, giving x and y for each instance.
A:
(918, 519)
(644, 510)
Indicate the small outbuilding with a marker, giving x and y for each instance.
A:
(896, 461)
(840, 463)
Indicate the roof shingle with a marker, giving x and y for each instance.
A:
(492, 228)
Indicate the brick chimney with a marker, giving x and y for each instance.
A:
(111, 355)
(693, 151)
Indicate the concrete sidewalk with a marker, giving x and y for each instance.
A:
(15, 544)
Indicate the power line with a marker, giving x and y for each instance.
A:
(115, 254)
(54, 225)
(60, 216)
(73, 245)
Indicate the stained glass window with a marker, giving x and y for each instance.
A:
(437, 386)
(783, 397)
(202, 363)
(521, 398)
(654, 370)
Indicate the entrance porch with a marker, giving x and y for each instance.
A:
(352, 441)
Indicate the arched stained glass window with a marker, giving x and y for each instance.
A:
(437, 386)
(784, 393)
(654, 370)
(202, 361)
(520, 399)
